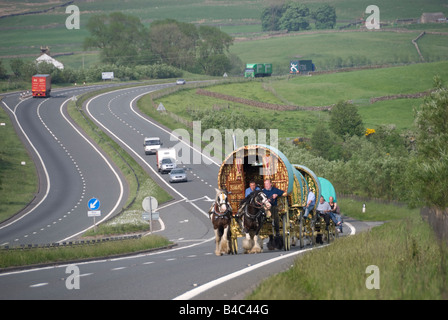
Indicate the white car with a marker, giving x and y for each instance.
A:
(180, 81)
(151, 145)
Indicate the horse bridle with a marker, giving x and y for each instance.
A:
(258, 206)
(217, 210)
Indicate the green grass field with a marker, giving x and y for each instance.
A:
(342, 49)
(23, 35)
(319, 90)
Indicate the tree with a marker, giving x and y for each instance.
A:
(345, 120)
(429, 176)
(324, 144)
(324, 16)
(3, 73)
(16, 66)
(185, 46)
(174, 43)
(295, 17)
(212, 50)
(270, 17)
(122, 39)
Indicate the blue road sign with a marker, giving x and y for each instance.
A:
(94, 204)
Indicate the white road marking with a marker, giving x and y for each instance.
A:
(118, 268)
(106, 216)
(137, 154)
(198, 290)
(37, 285)
(47, 177)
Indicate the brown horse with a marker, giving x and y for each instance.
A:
(220, 215)
(253, 211)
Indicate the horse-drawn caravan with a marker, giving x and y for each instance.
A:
(253, 217)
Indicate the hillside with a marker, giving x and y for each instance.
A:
(23, 35)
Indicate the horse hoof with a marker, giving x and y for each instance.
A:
(256, 250)
(248, 244)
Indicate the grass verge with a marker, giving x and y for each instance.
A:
(26, 257)
(18, 183)
(375, 210)
(411, 264)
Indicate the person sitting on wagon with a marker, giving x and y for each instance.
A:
(335, 214)
(252, 188)
(324, 209)
(311, 201)
(272, 193)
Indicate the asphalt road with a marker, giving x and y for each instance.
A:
(71, 171)
(191, 270)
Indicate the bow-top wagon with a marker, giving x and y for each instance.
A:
(258, 163)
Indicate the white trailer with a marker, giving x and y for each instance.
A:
(166, 159)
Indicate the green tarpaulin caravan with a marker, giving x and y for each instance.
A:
(327, 189)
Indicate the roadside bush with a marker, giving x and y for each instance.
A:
(429, 174)
(25, 70)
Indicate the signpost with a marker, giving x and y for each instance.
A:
(149, 204)
(94, 205)
(107, 75)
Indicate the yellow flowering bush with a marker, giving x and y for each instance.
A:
(369, 132)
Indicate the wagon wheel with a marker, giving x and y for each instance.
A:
(234, 237)
(332, 233)
(301, 233)
(234, 245)
(294, 224)
(286, 233)
(311, 228)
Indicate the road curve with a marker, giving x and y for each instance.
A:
(71, 170)
(187, 272)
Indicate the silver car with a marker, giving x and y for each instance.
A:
(167, 165)
(178, 175)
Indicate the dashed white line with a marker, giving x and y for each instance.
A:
(118, 268)
(37, 285)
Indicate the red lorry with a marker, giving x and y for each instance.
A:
(41, 85)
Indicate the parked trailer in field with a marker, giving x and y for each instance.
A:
(41, 85)
(255, 70)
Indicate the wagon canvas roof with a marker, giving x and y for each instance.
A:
(327, 189)
(308, 172)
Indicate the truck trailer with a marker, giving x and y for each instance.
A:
(255, 70)
(41, 85)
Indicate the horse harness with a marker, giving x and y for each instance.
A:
(221, 215)
(256, 206)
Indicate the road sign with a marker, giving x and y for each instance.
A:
(93, 204)
(94, 213)
(148, 216)
(150, 204)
